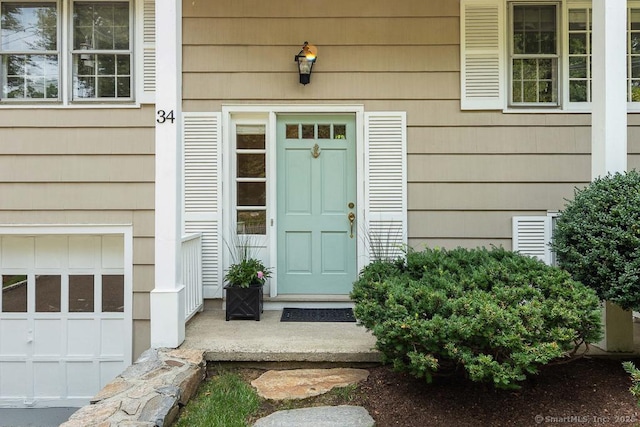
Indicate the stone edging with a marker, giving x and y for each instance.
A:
(148, 393)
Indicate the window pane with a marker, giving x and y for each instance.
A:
(578, 67)
(81, 295)
(28, 27)
(308, 131)
(534, 29)
(292, 132)
(577, 20)
(252, 194)
(324, 131)
(635, 91)
(635, 42)
(252, 222)
(577, 43)
(102, 76)
(14, 294)
(634, 18)
(251, 166)
(339, 131)
(251, 137)
(113, 293)
(101, 25)
(48, 293)
(30, 76)
(578, 91)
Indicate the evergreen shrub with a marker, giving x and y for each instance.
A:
(492, 315)
(597, 238)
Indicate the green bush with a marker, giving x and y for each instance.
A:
(597, 238)
(634, 373)
(493, 315)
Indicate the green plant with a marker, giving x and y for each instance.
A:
(223, 401)
(492, 315)
(634, 373)
(597, 238)
(246, 270)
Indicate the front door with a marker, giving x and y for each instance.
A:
(317, 232)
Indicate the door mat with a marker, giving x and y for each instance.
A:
(317, 315)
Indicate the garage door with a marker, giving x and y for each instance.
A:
(65, 322)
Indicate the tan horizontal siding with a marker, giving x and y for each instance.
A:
(463, 224)
(330, 31)
(73, 168)
(260, 59)
(77, 141)
(325, 8)
(325, 86)
(143, 278)
(474, 140)
(96, 118)
(498, 168)
(141, 336)
(489, 196)
(77, 196)
(418, 243)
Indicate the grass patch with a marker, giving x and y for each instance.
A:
(227, 399)
(224, 400)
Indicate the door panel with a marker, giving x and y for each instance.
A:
(316, 163)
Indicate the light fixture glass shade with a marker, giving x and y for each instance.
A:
(305, 59)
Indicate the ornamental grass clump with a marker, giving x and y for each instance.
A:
(492, 315)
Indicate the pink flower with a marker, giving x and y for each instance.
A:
(260, 275)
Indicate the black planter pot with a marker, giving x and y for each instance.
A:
(244, 303)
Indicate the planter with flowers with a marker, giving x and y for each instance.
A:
(245, 280)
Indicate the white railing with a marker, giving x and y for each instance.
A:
(192, 274)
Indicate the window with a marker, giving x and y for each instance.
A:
(99, 53)
(101, 50)
(534, 54)
(29, 50)
(251, 179)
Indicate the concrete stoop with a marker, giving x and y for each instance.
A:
(321, 416)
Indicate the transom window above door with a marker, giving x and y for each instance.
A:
(39, 65)
(316, 131)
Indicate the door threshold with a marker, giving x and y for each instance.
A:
(307, 301)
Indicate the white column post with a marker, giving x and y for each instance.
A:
(167, 299)
(609, 129)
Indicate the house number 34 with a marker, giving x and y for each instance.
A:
(165, 116)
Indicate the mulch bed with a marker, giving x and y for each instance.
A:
(587, 391)
(590, 391)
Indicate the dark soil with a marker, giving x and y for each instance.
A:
(585, 392)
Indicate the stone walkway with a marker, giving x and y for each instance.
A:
(304, 383)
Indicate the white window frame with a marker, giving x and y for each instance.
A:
(70, 76)
(142, 41)
(558, 56)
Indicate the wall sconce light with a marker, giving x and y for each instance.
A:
(305, 59)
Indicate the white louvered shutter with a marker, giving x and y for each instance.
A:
(202, 190)
(386, 184)
(148, 62)
(482, 53)
(532, 235)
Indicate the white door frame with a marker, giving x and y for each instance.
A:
(270, 112)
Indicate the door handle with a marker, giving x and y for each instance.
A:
(352, 218)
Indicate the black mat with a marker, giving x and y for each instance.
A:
(317, 315)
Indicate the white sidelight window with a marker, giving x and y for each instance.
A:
(251, 179)
(77, 51)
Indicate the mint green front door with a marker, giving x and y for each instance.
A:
(317, 231)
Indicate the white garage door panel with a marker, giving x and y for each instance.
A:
(81, 337)
(13, 337)
(13, 377)
(59, 348)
